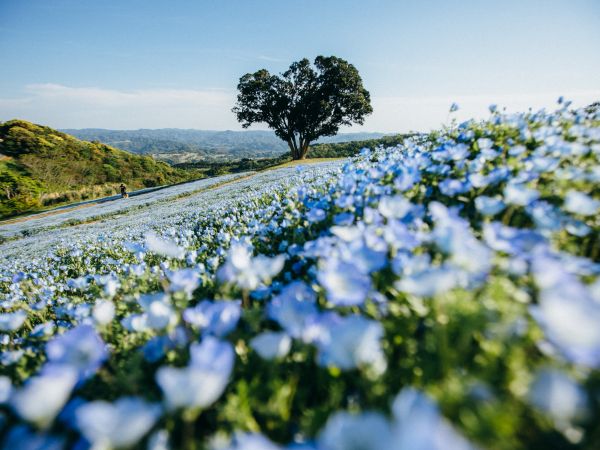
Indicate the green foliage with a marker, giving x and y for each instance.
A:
(40, 167)
(303, 104)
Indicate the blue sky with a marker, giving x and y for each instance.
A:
(175, 63)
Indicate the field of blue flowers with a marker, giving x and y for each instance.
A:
(442, 294)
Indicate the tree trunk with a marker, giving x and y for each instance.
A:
(303, 151)
(293, 148)
(299, 148)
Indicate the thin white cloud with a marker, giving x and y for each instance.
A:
(82, 107)
(78, 107)
(270, 58)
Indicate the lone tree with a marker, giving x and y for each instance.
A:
(305, 102)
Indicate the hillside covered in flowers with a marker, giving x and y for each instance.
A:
(441, 294)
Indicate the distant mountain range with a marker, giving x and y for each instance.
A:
(181, 145)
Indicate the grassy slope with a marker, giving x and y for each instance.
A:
(42, 167)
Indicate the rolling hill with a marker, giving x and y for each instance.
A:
(41, 167)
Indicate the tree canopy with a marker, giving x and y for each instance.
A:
(305, 102)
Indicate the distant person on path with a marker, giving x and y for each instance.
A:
(124, 191)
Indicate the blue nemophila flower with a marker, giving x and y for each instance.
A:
(42, 396)
(418, 425)
(293, 307)
(21, 437)
(344, 283)
(158, 346)
(134, 247)
(158, 313)
(116, 425)
(458, 152)
(217, 318)
(352, 341)
(484, 143)
(136, 322)
(344, 219)
(406, 177)
(246, 271)
(109, 284)
(577, 228)
(489, 206)
(5, 388)
(271, 344)
(399, 237)
(103, 312)
(396, 207)
(316, 215)
(559, 396)
(201, 383)
(511, 240)
(367, 255)
(364, 431)
(454, 237)
(250, 441)
(428, 281)
(517, 150)
(11, 356)
(520, 195)
(580, 203)
(567, 312)
(546, 216)
(164, 247)
(212, 354)
(454, 107)
(159, 440)
(185, 280)
(80, 348)
(478, 179)
(12, 321)
(452, 187)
